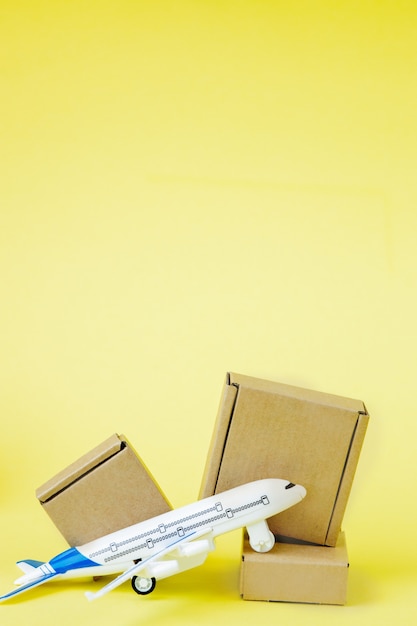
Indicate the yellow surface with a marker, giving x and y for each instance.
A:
(189, 188)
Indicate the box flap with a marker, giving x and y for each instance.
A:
(79, 468)
(347, 479)
(291, 391)
(219, 438)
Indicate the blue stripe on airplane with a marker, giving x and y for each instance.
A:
(70, 559)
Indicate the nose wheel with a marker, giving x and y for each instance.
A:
(143, 586)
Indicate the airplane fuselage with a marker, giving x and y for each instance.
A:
(171, 542)
(239, 507)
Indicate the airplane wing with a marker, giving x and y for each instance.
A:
(135, 569)
(30, 585)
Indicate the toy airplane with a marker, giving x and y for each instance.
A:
(169, 543)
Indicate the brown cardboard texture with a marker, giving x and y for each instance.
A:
(296, 573)
(271, 430)
(106, 489)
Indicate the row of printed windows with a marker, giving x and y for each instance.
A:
(180, 530)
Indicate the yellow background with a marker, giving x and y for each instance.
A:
(189, 188)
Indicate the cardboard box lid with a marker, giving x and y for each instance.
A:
(267, 429)
(290, 391)
(80, 468)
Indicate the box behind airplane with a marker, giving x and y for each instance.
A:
(271, 430)
(106, 489)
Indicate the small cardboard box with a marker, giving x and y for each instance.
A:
(296, 573)
(270, 430)
(107, 489)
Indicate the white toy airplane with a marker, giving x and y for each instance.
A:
(169, 543)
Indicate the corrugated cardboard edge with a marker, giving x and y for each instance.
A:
(346, 480)
(219, 439)
(126, 441)
(80, 468)
(300, 393)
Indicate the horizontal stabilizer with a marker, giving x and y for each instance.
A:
(29, 565)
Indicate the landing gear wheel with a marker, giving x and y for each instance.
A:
(143, 586)
(264, 544)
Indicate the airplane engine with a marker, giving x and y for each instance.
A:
(163, 569)
(194, 548)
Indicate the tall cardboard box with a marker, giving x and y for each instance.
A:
(106, 489)
(266, 429)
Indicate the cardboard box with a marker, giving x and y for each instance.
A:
(271, 430)
(296, 573)
(107, 489)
